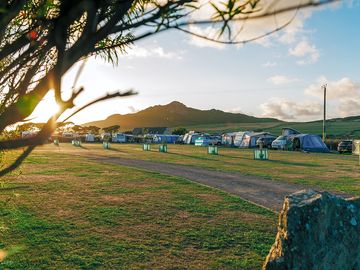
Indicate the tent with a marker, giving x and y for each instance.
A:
(239, 136)
(309, 143)
(160, 138)
(190, 139)
(250, 138)
(228, 138)
(89, 137)
(289, 131)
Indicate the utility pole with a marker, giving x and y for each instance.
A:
(324, 119)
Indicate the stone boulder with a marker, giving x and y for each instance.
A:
(317, 231)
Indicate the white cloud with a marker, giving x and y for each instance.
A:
(132, 109)
(295, 30)
(307, 51)
(269, 64)
(142, 52)
(336, 90)
(285, 109)
(343, 98)
(251, 28)
(349, 107)
(344, 93)
(236, 110)
(281, 79)
(209, 32)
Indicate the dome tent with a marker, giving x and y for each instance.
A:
(286, 131)
(309, 143)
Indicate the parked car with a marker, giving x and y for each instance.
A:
(215, 140)
(265, 141)
(345, 146)
(279, 143)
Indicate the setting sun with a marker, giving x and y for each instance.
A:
(46, 108)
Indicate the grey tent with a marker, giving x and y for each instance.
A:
(309, 143)
(249, 139)
(228, 138)
(289, 131)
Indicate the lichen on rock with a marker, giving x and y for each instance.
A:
(316, 230)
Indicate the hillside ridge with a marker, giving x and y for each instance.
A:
(175, 114)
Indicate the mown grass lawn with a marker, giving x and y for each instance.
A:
(62, 211)
(333, 172)
(333, 127)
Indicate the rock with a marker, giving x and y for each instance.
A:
(317, 231)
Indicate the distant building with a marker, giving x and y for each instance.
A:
(151, 130)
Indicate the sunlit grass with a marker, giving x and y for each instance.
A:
(334, 172)
(62, 211)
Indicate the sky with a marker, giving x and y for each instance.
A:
(278, 76)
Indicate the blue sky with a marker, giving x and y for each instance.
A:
(279, 76)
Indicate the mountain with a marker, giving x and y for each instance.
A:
(175, 114)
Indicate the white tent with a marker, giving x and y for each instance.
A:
(250, 138)
(89, 137)
(239, 136)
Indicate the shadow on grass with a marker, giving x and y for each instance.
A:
(303, 164)
(12, 188)
(229, 156)
(115, 150)
(282, 162)
(194, 157)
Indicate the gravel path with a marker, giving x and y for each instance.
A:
(266, 193)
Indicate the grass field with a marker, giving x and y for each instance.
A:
(340, 128)
(333, 172)
(64, 211)
(61, 211)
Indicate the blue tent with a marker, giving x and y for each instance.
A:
(160, 138)
(309, 143)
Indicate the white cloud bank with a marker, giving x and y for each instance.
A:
(142, 52)
(343, 98)
(345, 93)
(285, 109)
(250, 28)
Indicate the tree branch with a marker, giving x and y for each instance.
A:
(106, 97)
(17, 162)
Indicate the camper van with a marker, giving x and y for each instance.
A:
(121, 138)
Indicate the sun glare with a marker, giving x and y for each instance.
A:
(46, 108)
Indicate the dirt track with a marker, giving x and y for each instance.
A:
(267, 193)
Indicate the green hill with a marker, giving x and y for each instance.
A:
(176, 114)
(340, 127)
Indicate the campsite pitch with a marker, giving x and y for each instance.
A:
(65, 210)
(62, 211)
(332, 172)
